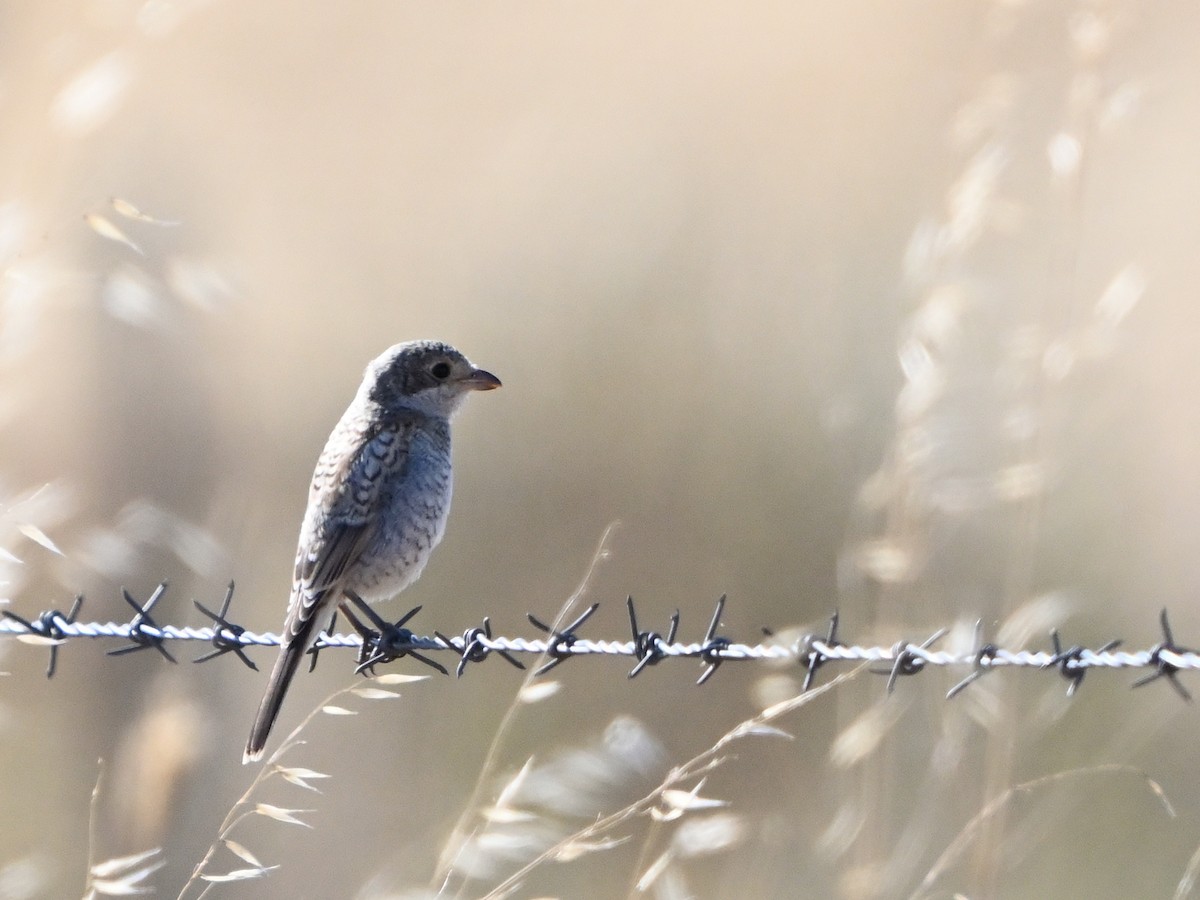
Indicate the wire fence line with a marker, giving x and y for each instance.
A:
(378, 641)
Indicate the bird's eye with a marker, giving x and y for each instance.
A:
(440, 371)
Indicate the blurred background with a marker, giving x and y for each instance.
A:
(880, 307)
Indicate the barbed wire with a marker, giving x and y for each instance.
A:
(379, 641)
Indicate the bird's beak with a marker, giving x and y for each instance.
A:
(481, 380)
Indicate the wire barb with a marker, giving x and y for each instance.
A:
(323, 640)
(1070, 662)
(909, 659)
(559, 646)
(471, 647)
(139, 635)
(648, 645)
(984, 654)
(47, 626)
(712, 650)
(387, 641)
(226, 635)
(812, 657)
(1165, 668)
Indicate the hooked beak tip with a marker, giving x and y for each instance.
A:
(481, 380)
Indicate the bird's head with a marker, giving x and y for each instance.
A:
(428, 376)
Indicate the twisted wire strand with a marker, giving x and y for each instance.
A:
(800, 649)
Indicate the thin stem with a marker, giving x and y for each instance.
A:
(698, 765)
(237, 812)
(459, 836)
(972, 829)
(93, 815)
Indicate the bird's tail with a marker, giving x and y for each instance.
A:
(286, 664)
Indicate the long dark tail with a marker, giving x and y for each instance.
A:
(286, 664)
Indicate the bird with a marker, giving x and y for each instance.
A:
(378, 501)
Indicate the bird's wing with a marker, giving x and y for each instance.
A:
(356, 469)
(361, 465)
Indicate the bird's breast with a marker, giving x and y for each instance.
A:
(414, 508)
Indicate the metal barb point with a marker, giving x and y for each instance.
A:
(46, 625)
(322, 642)
(1070, 661)
(982, 658)
(812, 658)
(1163, 668)
(647, 645)
(473, 649)
(387, 641)
(140, 637)
(226, 635)
(710, 650)
(909, 660)
(558, 647)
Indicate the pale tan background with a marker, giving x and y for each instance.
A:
(886, 306)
